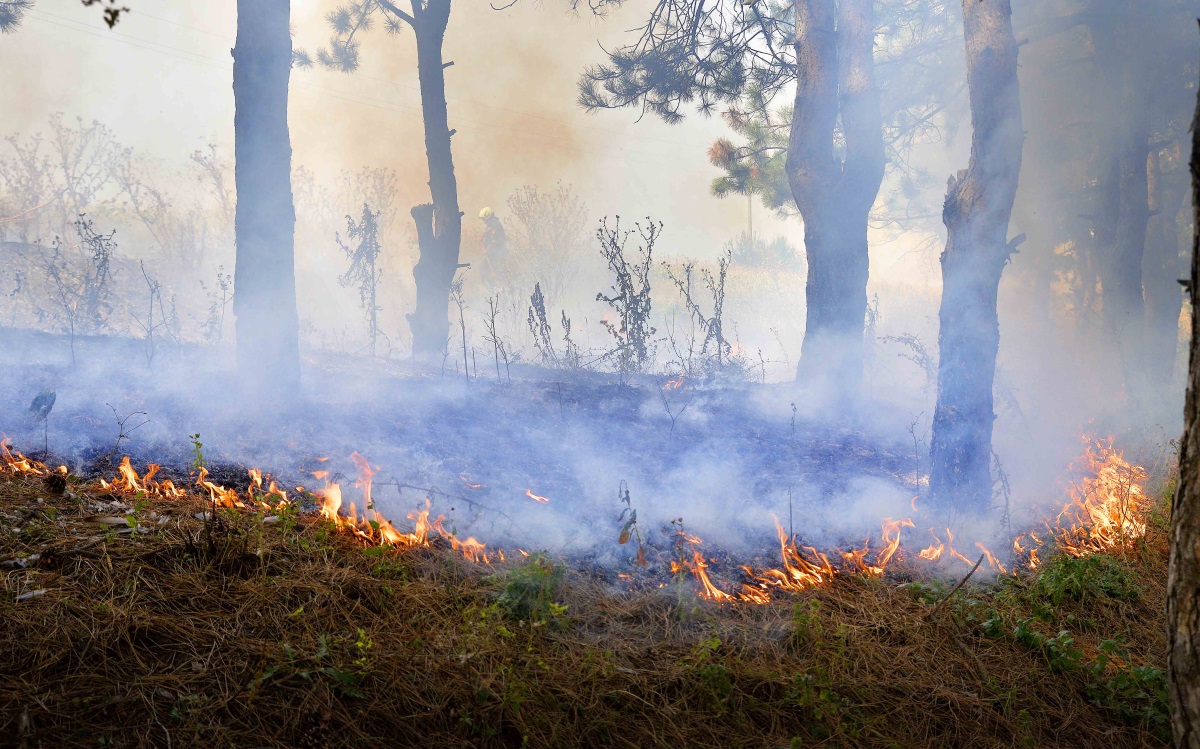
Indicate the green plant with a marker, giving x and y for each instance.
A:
(362, 646)
(1060, 651)
(925, 592)
(314, 667)
(813, 693)
(527, 591)
(1136, 694)
(717, 680)
(629, 529)
(197, 451)
(1067, 577)
(806, 623)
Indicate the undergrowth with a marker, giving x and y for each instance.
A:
(244, 630)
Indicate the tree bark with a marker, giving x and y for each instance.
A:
(835, 74)
(264, 299)
(439, 224)
(976, 213)
(1183, 577)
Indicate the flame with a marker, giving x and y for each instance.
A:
(699, 569)
(937, 549)
(992, 561)
(529, 493)
(365, 474)
(218, 495)
(1107, 509)
(674, 384)
(129, 476)
(14, 462)
(799, 572)
(934, 551)
(891, 540)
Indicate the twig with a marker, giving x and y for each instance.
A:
(437, 492)
(954, 590)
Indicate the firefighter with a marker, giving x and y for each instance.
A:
(495, 246)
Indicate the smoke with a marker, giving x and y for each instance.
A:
(732, 459)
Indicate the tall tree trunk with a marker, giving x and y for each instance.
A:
(1123, 213)
(1183, 577)
(1161, 271)
(265, 219)
(439, 225)
(835, 72)
(976, 213)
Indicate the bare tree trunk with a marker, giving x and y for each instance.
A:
(835, 73)
(977, 211)
(1123, 213)
(439, 225)
(1161, 271)
(1183, 578)
(265, 220)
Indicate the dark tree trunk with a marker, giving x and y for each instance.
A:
(1183, 578)
(835, 73)
(1123, 212)
(1161, 271)
(439, 225)
(977, 211)
(264, 279)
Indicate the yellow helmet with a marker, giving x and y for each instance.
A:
(486, 213)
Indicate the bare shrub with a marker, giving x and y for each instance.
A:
(363, 272)
(546, 238)
(80, 290)
(218, 300)
(715, 352)
(630, 299)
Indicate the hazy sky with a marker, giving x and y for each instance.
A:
(162, 81)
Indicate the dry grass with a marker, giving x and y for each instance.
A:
(286, 634)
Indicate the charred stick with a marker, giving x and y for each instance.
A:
(954, 590)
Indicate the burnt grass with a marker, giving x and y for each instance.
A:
(240, 632)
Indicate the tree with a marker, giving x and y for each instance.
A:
(438, 223)
(1183, 577)
(826, 154)
(718, 53)
(264, 300)
(1106, 84)
(978, 207)
(12, 12)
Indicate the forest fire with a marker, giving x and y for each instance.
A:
(698, 566)
(1107, 509)
(846, 321)
(15, 462)
(938, 549)
(798, 572)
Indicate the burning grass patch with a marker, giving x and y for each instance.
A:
(188, 625)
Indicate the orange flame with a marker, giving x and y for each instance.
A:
(799, 572)
(529, 493)
(365, 474)
(1107, 509)
(14, 462)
